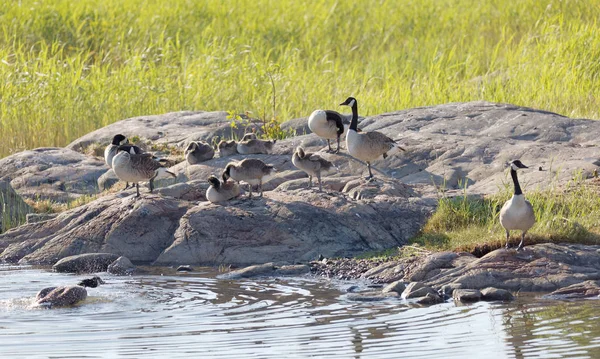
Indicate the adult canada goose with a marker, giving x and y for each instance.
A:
(312, 164)
(111, 150)
(227, 148)
(220, 192)
(250, 170)
(198, 151)
(327, 124)
(367, 146)
(137, 168)
(66, 295)
(517, 212)
(250, 147)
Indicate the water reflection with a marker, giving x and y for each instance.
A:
(164, 314)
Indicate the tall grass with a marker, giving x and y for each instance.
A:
(69, 67)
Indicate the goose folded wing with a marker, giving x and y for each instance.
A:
(145, 164)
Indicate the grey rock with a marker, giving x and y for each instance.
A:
(493, 294)
(586, 289)
(397, 286)
(107, 180)
(189, 191)
(13, 210)
(373, 296)
(417, 290)
(430, 299)
(290, 227)
(138, 228)
(85, 263)
(292, 270)
(466, 295)
(39, 217)
(121, 266)
(58, 174)
(267, 269)
(185, 268)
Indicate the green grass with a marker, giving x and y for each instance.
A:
(69, 67)
(569, 214)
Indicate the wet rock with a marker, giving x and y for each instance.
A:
(138, 228)
(374, 296)
(121, 266)
(185, 268)
(85, 263)
(57, 174)
(587, 289)
(466, 295)
(430, 299)
(292, 270)
(493, 294)
(417, 290)
(397, 286)
(189, 191)
(267, 269)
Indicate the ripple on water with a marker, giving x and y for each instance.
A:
(178, 315)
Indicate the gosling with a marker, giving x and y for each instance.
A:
(367, 146)
(254, 146)
(251, 171)
(312, 164)
(66, 295)
(221, 192)
(198, 151)
(227, 148)
(517, 213)
(137, 168)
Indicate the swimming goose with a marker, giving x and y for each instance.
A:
(227, 148)
(66, 295)
(220, 192)
(198, 151)
(255, 146)
(367, 146)
(111, 150)
(137, 168)
(517, 212)
(327, 124)
(312, 164)
(250, 170)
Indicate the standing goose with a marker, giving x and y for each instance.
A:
(327, 124)
(66, 295)
(227, 148)
(367, 146)
(198, 151)
(250, 170)
(517, 212)
(312, 164)
(255, 146)
(111, 150)
(136, 168)
(220, 192)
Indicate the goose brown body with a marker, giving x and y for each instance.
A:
(312, 164)
(249, 170)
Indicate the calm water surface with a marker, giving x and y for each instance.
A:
(170, 315)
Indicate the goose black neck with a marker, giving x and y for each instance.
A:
(354, 123)
(513, 174)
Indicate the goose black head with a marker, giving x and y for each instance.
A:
(516, 164)
(214, 181)
(227, 172)
(91, 282)
(119, 140)
(300, 151)
(350, 101)
(126, 148)
(191, 147)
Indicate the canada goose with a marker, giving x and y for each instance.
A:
(220, 192)
(227, 148)
(367, 146)
(327, 124)
(66, 295)
(198, 151)
(250, 170)
(111, 150)
(250, 147)
(517, 212)
(312, 164)
(137, 168)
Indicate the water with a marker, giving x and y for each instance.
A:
(170, 315)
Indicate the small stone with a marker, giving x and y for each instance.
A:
(121, 266)
(417, 290)
(466, 295)
(185, 268)
(491, 293)
(397, 286)
(430, 299)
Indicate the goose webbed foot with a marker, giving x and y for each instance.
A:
(520, 247)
